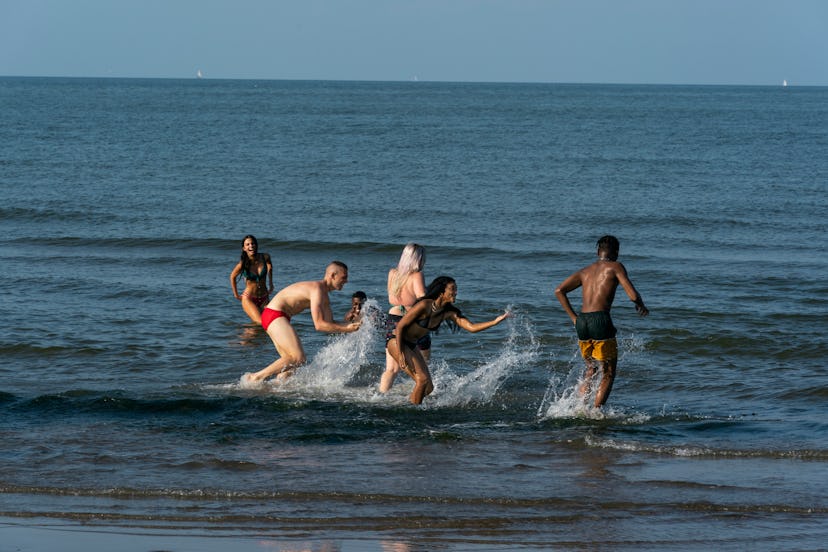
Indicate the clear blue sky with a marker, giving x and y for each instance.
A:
(584, 41)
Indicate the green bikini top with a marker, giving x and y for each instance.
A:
(256, 277)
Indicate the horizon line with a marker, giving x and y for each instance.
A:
(784, 83)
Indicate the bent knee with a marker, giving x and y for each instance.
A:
(296, 359)
(422, 379)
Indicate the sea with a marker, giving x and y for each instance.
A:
(123, 205)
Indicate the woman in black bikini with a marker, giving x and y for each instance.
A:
(255, 268)
(427, 314)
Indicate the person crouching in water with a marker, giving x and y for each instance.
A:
(290, 301)
(425, 316)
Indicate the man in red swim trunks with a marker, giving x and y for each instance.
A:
(596, 333)
(289, 302)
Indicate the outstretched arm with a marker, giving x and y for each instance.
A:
(320, 308)
(472, 327)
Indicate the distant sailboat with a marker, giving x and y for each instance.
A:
(198, 74)
(784, 82)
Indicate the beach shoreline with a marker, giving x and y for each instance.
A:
(39, 534)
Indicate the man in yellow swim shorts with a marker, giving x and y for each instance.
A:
(596, 333)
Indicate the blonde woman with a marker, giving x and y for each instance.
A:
(430, 310)
(406, 284)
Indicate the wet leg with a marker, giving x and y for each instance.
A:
(289, 348)
(607, 379)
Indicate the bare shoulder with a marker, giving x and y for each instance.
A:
(453, 314)
(618, 267)
(593, 270)
(300, 289)
(315, 287)
(419, 308)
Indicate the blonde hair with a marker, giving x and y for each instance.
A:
(412, 260)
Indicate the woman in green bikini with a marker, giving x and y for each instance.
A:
(425, 316)
(257, 270)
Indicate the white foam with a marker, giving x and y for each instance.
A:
(246, 383)
(482, 384)
(330, 371)
(563, 399)
(336, 364)
(633, 446)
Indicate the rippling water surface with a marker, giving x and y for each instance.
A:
(122, 207)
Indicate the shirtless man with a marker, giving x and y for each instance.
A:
(288, 303)
(596, 334)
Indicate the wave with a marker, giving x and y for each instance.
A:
(381, 499)
(29, 350)
(688, 451)
(118, 403)
(49, 215)
(174, 246)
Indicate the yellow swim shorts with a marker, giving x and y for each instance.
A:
(599, 349)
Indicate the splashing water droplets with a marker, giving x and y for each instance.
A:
(481, 384)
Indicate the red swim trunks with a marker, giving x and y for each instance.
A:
(269, 315)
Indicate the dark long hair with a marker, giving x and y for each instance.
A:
(247, 262)
(434, 290)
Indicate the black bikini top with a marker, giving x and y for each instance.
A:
(426, 322)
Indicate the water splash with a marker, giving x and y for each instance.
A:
(482, 384)
(565, 396)
(334, 365)
(341, 358)
(329, 372)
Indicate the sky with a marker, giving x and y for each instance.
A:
(753, 42)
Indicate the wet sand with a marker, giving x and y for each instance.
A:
(44, 535)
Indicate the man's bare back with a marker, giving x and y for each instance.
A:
(599, 281)
(298, 297)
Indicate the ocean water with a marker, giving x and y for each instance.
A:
(122, 208)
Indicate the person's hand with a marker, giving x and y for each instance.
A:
(641, 309)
